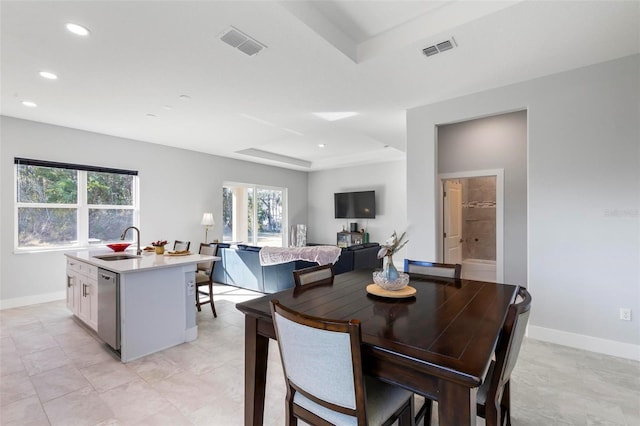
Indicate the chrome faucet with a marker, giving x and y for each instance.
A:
(124, 234)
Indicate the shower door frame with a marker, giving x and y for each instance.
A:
(499, 175)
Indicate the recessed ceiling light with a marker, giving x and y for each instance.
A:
(321, 145)
(29, 104)
(184, 97)
(48, 75)
(334, 116)
(78, 29)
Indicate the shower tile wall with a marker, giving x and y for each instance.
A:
(479, 218)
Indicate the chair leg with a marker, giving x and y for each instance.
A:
(213, 307)
(505, 404)
(425, 412)
(406, 416)
(198, 299)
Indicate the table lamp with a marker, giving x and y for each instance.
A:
(207, 222)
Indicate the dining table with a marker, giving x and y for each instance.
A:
(437, 343)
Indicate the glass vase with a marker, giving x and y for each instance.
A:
(389, 270)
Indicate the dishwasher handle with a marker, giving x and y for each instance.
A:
(105, 277)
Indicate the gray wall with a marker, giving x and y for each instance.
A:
(583, 196)
(176, 187)
(387, 179)
(497, 142)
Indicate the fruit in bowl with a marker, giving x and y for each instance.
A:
(118, 246)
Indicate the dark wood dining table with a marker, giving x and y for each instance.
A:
(438, 342)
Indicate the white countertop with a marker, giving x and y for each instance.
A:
(146, 261)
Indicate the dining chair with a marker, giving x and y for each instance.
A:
(493, 397)
(204, 277)
(321, 274)
(440, 270)
(322, 365)
(181, 245)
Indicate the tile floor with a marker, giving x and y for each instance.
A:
(53, 372)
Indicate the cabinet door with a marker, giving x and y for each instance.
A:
(73, 292)
(92, 291)
(88, 309)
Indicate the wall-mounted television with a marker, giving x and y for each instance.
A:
(355, 205)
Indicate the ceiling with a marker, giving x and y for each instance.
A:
(157, 71)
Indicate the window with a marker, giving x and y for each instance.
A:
(254, 214)
(68, 205)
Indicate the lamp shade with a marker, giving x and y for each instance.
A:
(207, 219)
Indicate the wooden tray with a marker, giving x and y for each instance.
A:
(404, 292)
(172, 253)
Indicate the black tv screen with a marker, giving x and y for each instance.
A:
(355, 205)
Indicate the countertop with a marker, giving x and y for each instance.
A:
(146, 261)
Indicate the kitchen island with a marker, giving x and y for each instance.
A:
(138, 305)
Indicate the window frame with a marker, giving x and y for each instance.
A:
(254, 215)
(81, 206)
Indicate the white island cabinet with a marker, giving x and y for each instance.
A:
(153, 306)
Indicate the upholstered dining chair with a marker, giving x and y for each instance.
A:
(204, 277)
(322, 364)
(321, 274)
(181, 245)
(441, 270)
(493, 397)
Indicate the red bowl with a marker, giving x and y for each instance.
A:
(118, 246)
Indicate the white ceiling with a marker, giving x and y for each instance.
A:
(321, 56)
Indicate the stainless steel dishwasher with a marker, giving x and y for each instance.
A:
(109, 307)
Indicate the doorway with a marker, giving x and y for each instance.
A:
(472, 222)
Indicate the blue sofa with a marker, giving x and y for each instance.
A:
(241, 267)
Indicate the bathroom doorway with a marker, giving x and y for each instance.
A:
(472, 223)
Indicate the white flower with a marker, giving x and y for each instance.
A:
(392, 245)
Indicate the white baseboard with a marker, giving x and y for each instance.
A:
(589, 343)
(32, 300)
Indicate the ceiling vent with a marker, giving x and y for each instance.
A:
(236, 38)
(440, 47)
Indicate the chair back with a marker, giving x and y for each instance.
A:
(441, 270)
(513, 332)
(321, 360)
(321, 274)
(507, 350)
(210, 249)
(181, 245)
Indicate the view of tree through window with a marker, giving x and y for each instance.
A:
(54, 211)
(254, 215)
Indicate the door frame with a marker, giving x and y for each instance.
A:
(499, 175)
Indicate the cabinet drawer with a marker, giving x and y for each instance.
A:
(90, 270)
(74, 265)
(82, 268)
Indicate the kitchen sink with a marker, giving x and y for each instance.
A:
(117, 257)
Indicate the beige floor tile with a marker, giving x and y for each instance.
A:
(58, 382)
(49, 359)
(28, 343)
(168, 416)
(11, 364)
(82, 407)
(90, 353)
(134, 401)
(15, 387)
(108, 375)
(25, 412)
(155, 367)
(187, 391)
